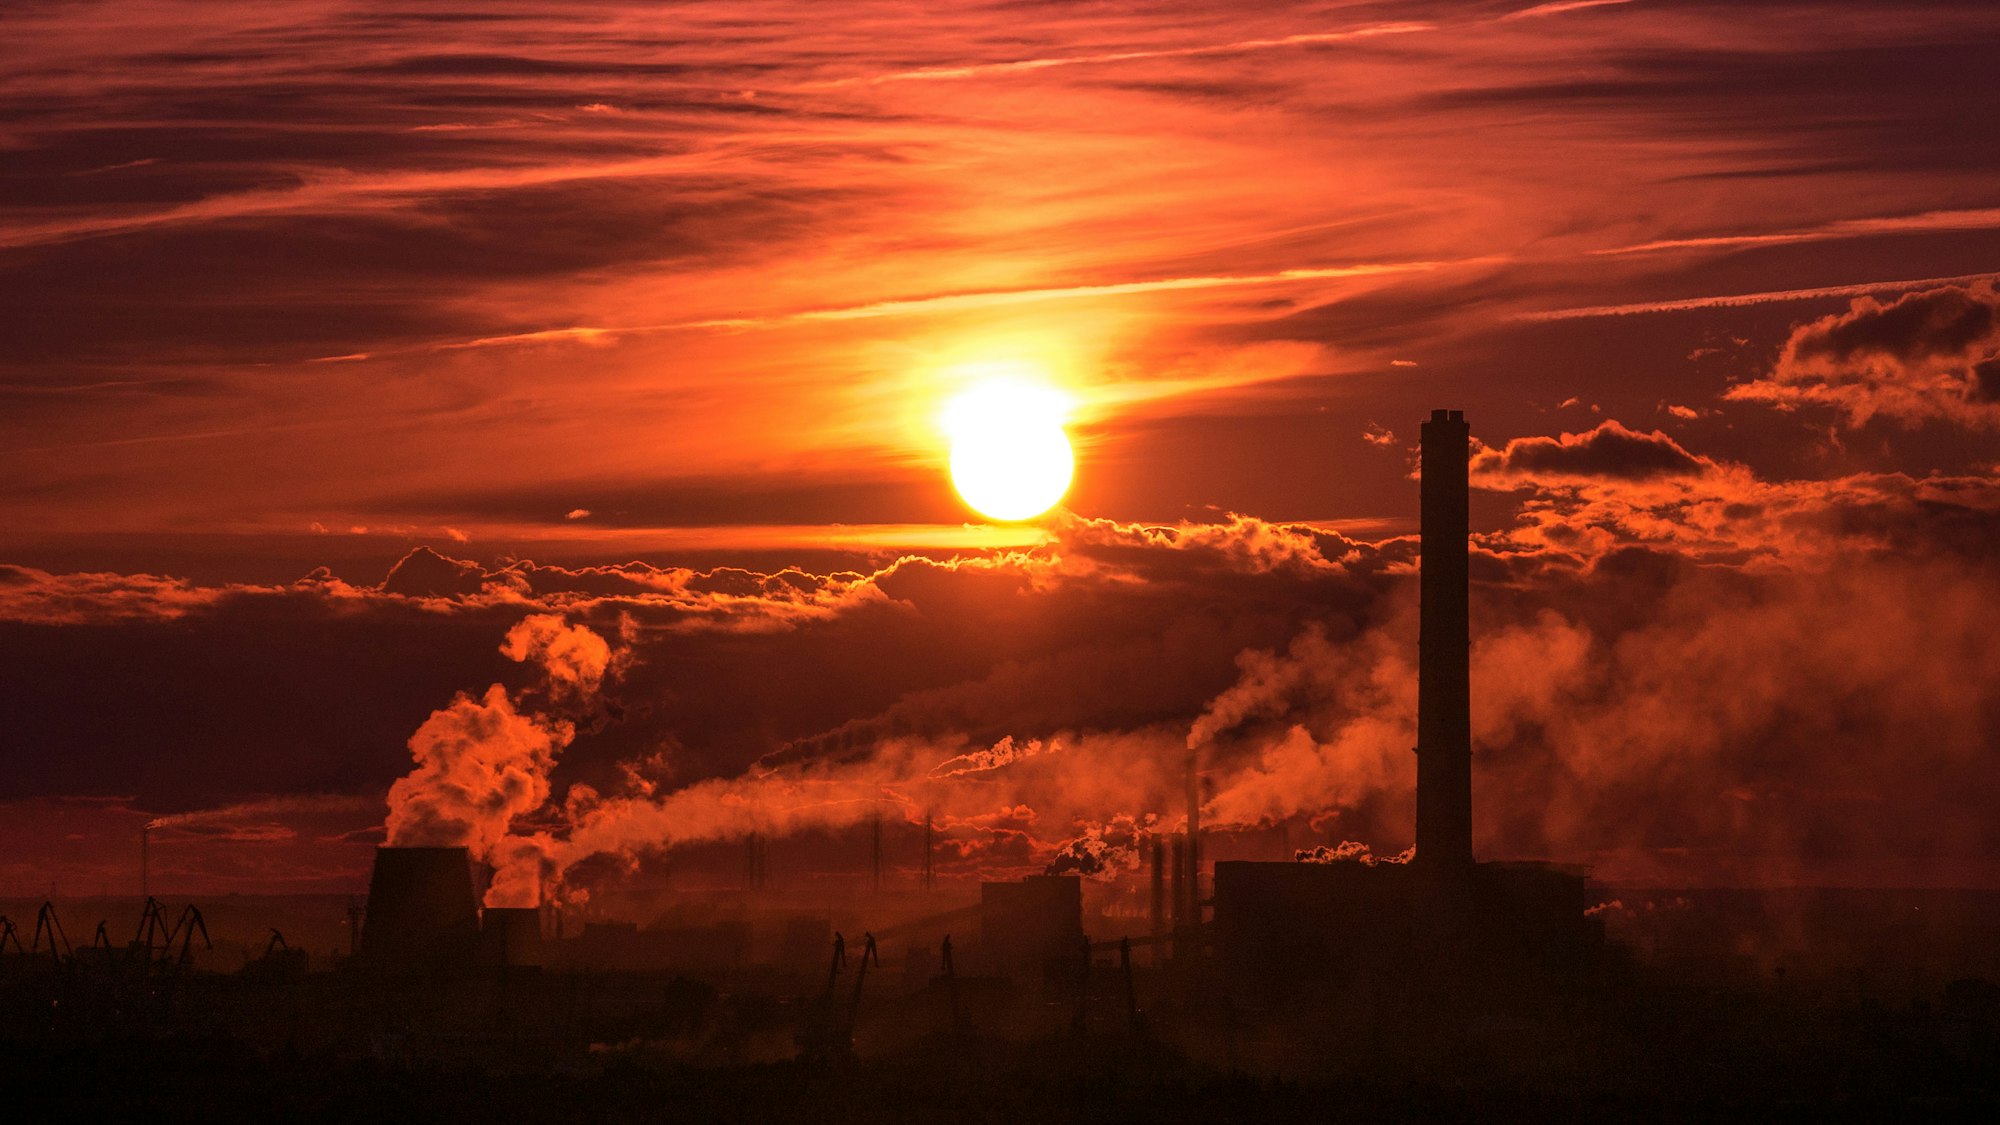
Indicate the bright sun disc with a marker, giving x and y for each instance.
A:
(1010, 458)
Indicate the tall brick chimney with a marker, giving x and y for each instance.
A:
(1444, 683)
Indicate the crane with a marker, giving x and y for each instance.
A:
(154, 933)
(190, 921)
(46, 922)
(868, 957)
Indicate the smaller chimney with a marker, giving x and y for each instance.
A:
(1159, 917)
(1193, 911)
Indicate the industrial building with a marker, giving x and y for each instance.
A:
(1273, 925)
(1027, 951)
(1443, 915)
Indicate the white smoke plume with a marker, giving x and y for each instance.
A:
(1002, 753)
(482, 762)
(1105, 852)
(574, 659)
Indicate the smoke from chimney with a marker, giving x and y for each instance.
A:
(481, 762)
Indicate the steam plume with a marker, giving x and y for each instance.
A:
(482, 762)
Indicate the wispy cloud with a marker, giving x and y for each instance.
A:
(331, 191)
(1739, 299)
(959, 302)
(1984, 218)
(1557, 8)
(1014, 66)
(1240, 46)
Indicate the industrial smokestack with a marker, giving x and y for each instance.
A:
(1193, 836)
(421, 913)
(1444, 685)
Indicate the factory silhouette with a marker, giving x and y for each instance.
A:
(1254, 930)
(1327, 964)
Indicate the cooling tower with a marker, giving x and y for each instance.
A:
(421, 914)
(1444, 677)
(511, 936)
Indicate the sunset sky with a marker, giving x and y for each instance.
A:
(347, 346)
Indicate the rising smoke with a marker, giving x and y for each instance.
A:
(1748, 679)
(481, 762)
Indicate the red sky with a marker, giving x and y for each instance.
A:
(667, 300)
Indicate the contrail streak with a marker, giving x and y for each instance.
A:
(1973, 219)
(1742, 299)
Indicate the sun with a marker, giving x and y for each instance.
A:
(1010, 458)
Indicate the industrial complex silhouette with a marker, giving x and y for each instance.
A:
(1422, 963)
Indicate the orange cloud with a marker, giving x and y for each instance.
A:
(1928, 355)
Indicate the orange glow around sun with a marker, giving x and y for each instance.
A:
(1010, 456)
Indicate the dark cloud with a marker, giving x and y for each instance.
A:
(1914, 327)
(730, 664)
(1925, 356)
(1984, 386)
(1609, 452)
(423, 573)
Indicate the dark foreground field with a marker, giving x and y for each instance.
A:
(1055, 1081)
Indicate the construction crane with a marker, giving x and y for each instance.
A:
(190, 921)
(154, 932)
(279, 961)
(47, 923)
(9, 933)
(838, 963)
(868, 957)
(824, 1034)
